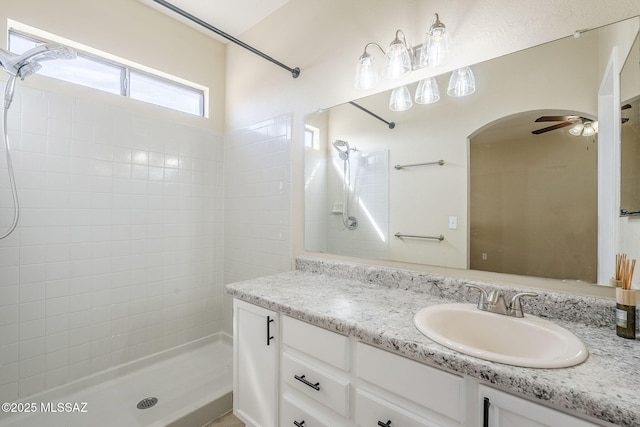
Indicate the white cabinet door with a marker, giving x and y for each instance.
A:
(255, 367)
(504, 410)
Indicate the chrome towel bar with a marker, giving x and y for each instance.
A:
(439, 162)
(411, 236)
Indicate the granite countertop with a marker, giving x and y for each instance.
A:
(378, 310)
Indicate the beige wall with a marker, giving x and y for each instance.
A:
(132, 31)
(533, 206)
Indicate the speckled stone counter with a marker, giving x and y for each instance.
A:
(376, 305)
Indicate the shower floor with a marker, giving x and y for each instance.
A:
(192, 384)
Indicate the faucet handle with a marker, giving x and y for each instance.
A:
(482, 302)
(515, 306)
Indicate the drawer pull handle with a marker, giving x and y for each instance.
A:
(387, 424)
(302, 379)
(299, 424)
(269, 337)
(485, 412)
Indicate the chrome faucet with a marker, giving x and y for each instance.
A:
(494, 302)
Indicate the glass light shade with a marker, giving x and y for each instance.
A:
(367, 72)
(397, 60)
(576, 130)
(435, 48)
(462, 82)
(595, 126)
(400, 99)
(588, 130)
(427, 91)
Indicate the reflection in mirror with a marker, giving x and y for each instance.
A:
(524, 190)
(630, 146)
(559, 78)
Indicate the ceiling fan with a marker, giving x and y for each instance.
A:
(580, 125)
(564, 122)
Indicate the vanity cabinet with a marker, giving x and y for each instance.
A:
(315, 378)
(291, 373)
(255, 364)
(401, 391)
(501, 409)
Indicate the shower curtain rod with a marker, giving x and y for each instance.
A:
(390, 124)
(295, 72)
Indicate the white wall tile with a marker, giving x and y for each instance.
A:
(256, 160)
(111, 209)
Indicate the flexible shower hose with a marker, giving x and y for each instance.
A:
(12, 179)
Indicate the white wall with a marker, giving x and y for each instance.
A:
(325, 38)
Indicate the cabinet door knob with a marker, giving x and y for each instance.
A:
(387, 424)
(299, 424)
(303, 380)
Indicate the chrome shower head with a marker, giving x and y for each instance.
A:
(27, 63)
(342, 147)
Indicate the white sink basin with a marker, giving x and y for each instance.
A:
(529, 342)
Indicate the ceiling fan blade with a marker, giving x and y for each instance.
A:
(625, 107)
(554, 127)
(624, 120)
(557, 118)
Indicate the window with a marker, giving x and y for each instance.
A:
(109, 76)
(311, 137)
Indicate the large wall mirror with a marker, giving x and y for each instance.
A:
(487, 193)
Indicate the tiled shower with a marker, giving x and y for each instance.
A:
(119, 250)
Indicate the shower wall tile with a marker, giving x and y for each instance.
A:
(257, 222)
(119, 249)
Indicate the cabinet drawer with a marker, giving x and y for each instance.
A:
(321, 386)
(373, 411)
(429, 387)
(316, 342)
(294, 416)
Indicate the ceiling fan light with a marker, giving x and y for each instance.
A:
(427, 91)
(400, 99)
(398, 61)
(588, 130)
(594, 124)
(576, 130)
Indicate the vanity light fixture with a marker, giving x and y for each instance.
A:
(367, 71)
(399, 58)
(435, 48)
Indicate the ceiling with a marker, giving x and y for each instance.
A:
(234, 17)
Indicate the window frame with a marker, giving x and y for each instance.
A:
(125, 73)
